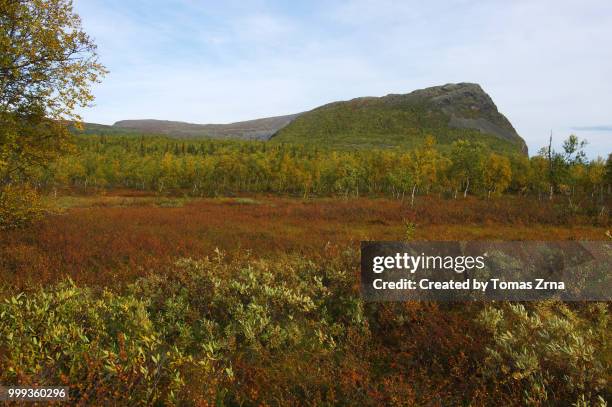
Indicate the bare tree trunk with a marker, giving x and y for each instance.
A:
(550, 196)
(412, 196)
(467, 186)
(550, 166)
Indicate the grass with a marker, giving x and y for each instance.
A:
(112, 201)
(113, 239)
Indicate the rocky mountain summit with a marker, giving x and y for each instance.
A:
(469, 106)
(448, 112)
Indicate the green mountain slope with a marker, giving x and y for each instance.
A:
(448, 113)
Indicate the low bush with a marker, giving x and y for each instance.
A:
(549, 353)
(211, 331)
(273, 329)
(103, 345)
(19, 206)
(290, 331)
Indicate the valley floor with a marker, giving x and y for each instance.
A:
(113, 238)
(267, 310)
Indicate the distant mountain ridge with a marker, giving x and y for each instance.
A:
(448, 112)
(258, 129)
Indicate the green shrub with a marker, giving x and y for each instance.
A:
(290, 331)
(241, 331)
(549, 353)
(19, 205)
(287, 319)
(103, 346)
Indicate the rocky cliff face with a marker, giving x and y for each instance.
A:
(469, 106)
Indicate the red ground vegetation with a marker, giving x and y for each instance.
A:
(104, 240)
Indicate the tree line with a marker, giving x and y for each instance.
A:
(217, 167)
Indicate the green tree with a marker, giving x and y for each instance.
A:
(573, 149)
(497, 174)
(595, 178)
(519, 165)
(47, 64)
(423, 166)
(467, 164)
(560, 174)
(538, 175)
(402, 176)
(608, 175)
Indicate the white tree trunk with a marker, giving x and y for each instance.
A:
(467, 186)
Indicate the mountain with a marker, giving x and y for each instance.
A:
(259, 129)
(449, 112)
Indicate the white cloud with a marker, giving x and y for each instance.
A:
(545, 63)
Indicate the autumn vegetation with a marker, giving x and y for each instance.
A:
(213, 168)
(144, 270)
(289, 331)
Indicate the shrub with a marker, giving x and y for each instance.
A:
(240, 330)
(272, 328)
(549, 353)
(104, 346)
(290, 331)
(19, 205)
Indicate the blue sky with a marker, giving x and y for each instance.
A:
(546, 64)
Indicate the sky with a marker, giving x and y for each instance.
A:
(546, 64)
